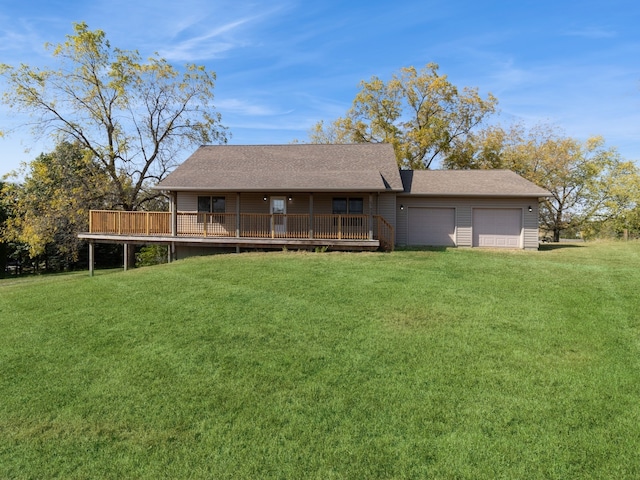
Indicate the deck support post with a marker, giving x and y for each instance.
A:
(126, 256)
(91, 257)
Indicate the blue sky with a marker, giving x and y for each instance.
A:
(283, 65)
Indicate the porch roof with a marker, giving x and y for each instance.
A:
(287, 168)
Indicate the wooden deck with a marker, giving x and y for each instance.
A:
(248, 230)
(229, 242)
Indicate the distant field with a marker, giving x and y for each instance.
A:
(465, 364)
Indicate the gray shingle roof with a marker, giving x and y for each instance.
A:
(287, 168)
(469, 183)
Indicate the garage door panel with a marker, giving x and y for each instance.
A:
(497, 227)
(431, 226)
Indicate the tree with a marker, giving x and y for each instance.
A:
(3, 218)
(588, 181)
(495, 147)
(133, 117)
(52, 204)
(420, 113)
(620, 211)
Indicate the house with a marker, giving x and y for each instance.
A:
(338, 196)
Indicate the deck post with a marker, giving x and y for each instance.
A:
(238, 217)
(126, 256)
(174, 214)
(311, 215)
(91, 257)
(370, 216)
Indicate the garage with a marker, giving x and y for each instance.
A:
(497, 227)
(431, 226)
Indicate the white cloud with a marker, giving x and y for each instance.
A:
(207, 46)
(591, 32)
(244, 107)
(215, 32)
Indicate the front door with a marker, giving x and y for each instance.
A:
(279, 215)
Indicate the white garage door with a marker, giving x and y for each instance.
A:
(497, 227)
(431, 226)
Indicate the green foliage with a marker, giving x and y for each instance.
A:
(420, 113)
(52, 203)
(133, 116)
(151, 255)
(511, 365)
(4, 251)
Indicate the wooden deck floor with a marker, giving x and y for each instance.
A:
(241, 242)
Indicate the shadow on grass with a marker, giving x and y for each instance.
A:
(9, 278)
(422, 249)
(557, 246)
(544, 247)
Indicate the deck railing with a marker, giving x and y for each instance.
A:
(347, 227)
(129, 223)
(384, 233)
(206, 224)
(255, 225)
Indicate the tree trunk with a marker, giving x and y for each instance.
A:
(557, 224)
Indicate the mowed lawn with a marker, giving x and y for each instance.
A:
(465, 364)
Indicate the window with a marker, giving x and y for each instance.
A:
(348, 206)
(219, 205)
(356, 206)
(211, 204)
(351, 206)
(207, 204)
(339, 206)
(204, 204)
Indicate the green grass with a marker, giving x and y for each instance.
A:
(416, 364)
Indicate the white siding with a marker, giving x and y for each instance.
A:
(387, 207)
(464, 221)
(530, 224)
(253, 203)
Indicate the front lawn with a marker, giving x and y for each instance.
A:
(417, 364)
